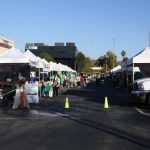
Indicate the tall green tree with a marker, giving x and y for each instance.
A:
(111, 59)
(100, 61)
(123, 54)
(124, 58)
(88, 65)
(46, 56)
(108, 59)
(80, 61)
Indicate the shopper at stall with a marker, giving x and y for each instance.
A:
(56, 85)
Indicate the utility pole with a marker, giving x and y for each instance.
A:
(114, 52)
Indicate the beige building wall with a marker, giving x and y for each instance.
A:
(5, 44)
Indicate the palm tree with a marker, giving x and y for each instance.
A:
(123, 54)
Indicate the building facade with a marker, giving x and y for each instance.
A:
(64, 54)
(5, 44)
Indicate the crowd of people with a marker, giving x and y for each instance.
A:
(58, 83)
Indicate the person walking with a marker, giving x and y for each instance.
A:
(97, 81)
(81, 81)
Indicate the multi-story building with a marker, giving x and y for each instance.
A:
(5, 44)
(65, 54)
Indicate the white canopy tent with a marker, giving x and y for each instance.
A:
(40, 66)
(61, 67)
(32, 58)
(55, 67)
(14, 66)
(116, 69)
(142, 57)
(46, 65)
(13, 55)
(138, 63)
(40, 63)
(51, 64)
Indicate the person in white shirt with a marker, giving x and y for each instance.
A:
(56, 85)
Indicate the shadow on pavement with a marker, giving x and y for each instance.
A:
(113, 131)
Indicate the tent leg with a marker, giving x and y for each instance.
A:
(133, 72)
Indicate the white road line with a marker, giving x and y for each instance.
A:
(141, 112)
(35, 112)
(40, 113)
(35, 115)
(78, 109)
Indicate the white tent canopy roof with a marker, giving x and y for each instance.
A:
(116, 69)
(31, 56)
(142, 57)
(13, 55)
(40, 63)
(46, 65)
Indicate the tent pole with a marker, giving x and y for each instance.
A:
(39, 74)
(39, 82)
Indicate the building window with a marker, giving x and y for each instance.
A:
(4, 45)
(5, 42)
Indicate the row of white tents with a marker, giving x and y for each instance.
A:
(14, 55)
(138, 63)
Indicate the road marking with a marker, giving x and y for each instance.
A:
(35, 115)
(35, 112)
(47, 114)
(78, 109)
(141, 112)
(62, 115)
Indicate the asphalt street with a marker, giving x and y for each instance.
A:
(86, 125)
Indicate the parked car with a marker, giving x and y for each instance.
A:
(141, 90)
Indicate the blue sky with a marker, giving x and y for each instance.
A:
(91, 24)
